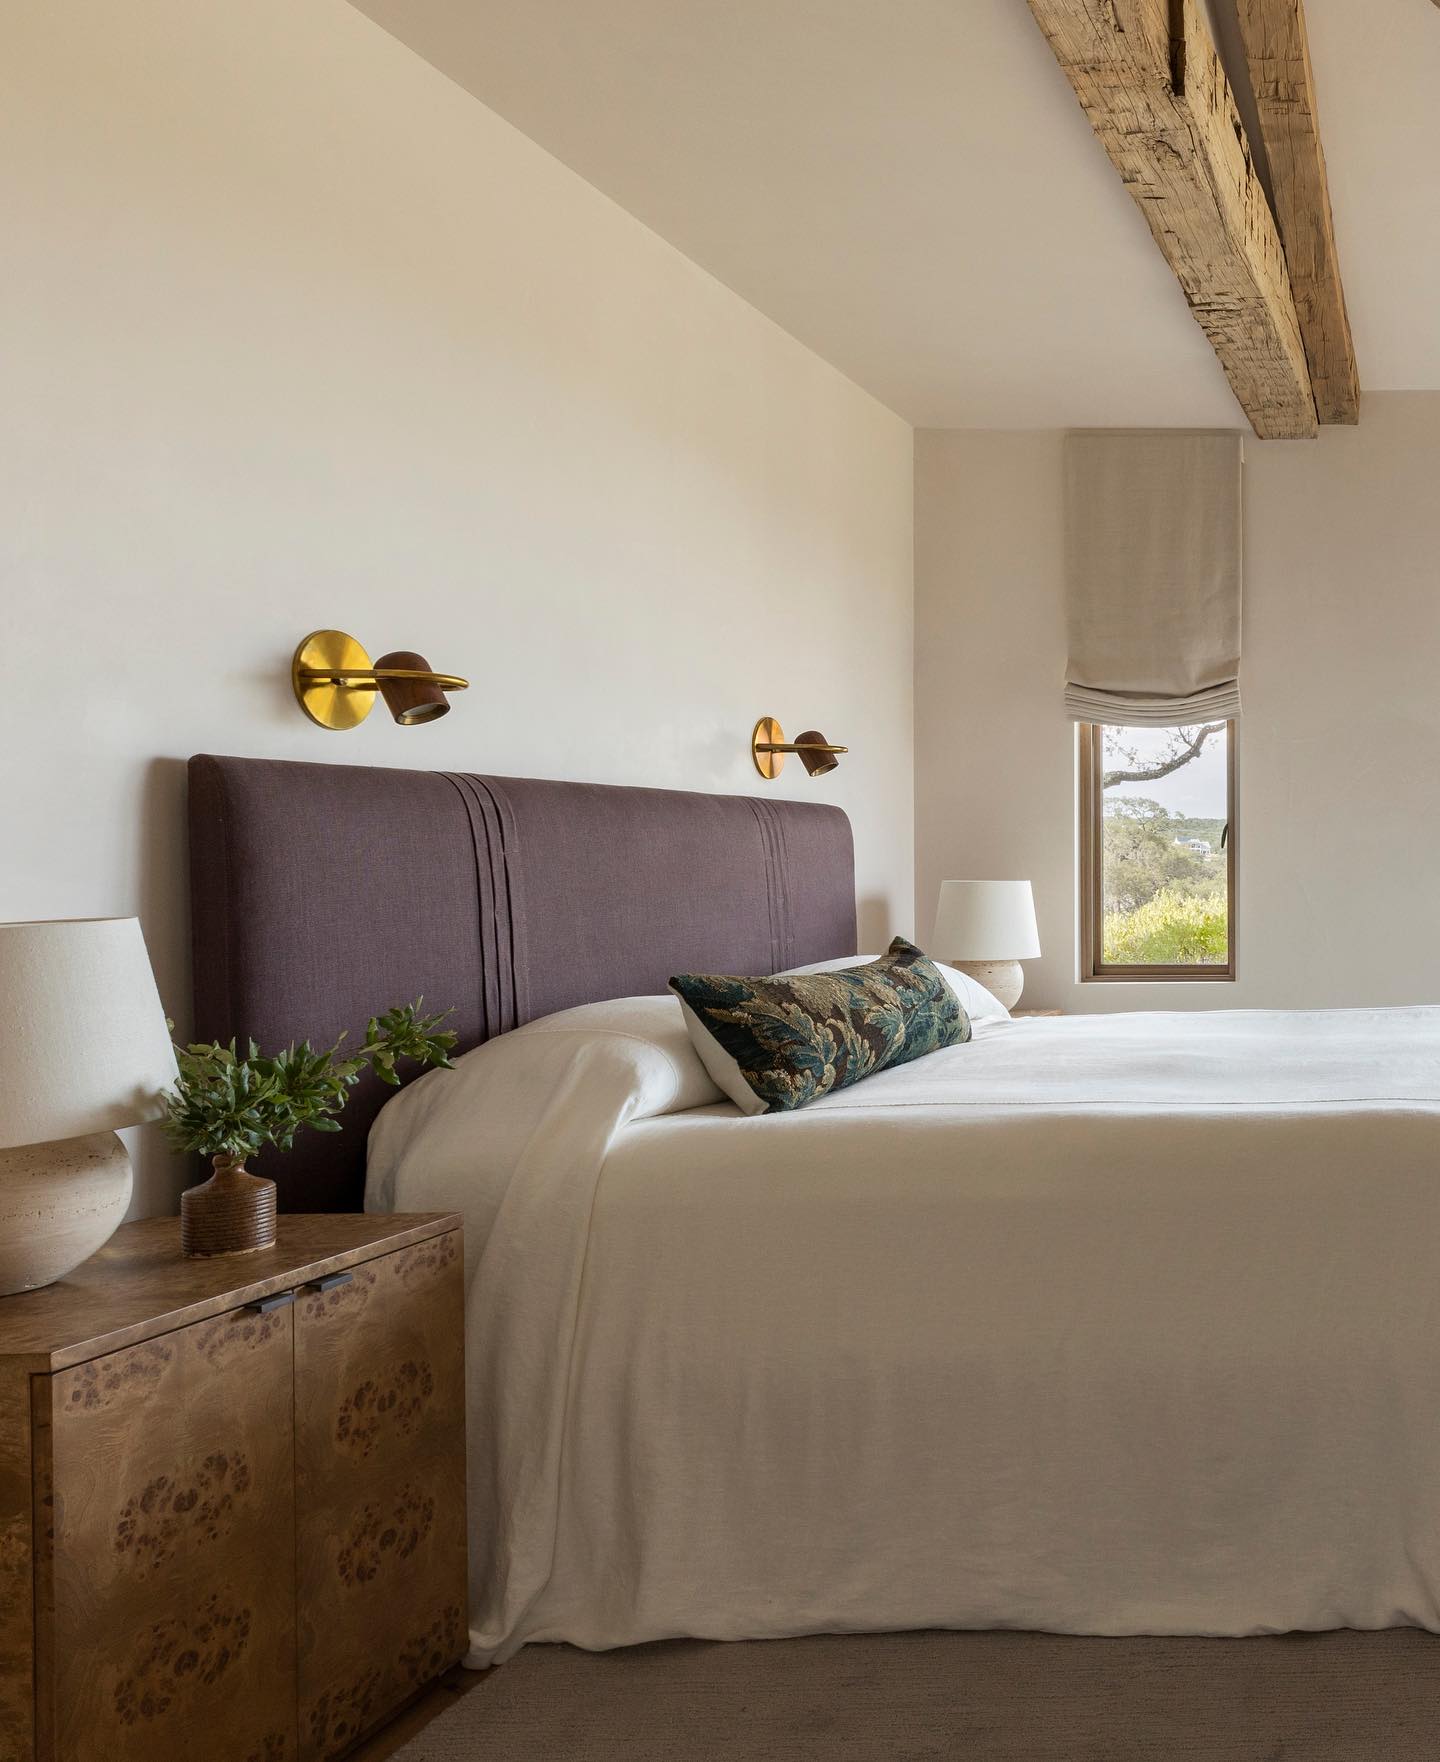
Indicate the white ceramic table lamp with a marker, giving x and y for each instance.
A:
(83, 1049)
(986, 928)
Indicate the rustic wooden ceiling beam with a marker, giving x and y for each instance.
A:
(1278, 51)
(1147, 76)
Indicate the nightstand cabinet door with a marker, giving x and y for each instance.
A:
(164, 1582)
(380, 1489)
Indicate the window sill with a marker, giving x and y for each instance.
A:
(1162, 976)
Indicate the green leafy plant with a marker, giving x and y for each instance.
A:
(231, 1104)
(1170, 929)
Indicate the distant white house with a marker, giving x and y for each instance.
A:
(1201, 846)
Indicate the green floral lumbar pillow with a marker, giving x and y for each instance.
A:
(775, 1044)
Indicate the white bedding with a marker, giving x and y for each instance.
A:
(1101, 1324)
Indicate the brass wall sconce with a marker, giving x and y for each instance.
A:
(768, 747)
(336, 682)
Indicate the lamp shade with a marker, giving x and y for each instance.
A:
(83, 1042)
(986, 921)
(411, 700)
(817, 764)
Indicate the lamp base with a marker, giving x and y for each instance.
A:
(59, 1202)
(1004, 980)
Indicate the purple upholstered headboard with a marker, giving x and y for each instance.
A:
(323, 894)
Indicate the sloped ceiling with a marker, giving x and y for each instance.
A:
(910, 188)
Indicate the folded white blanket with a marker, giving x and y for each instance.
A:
(1108, 1324)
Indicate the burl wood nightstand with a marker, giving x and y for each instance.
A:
(232, 1493)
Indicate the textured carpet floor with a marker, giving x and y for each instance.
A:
(979, 1697)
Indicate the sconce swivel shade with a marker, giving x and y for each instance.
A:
(986, 921)
(83, 1042)
(816, 755)
(420, 698)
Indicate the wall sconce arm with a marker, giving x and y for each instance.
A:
(797, 746)
(368, 678)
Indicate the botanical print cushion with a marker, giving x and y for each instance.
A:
(775, 1044)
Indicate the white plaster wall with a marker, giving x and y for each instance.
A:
(294, 332)
(1339, 790)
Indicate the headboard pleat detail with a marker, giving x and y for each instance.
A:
(325, 893)
(502, 1003)
(772, 839)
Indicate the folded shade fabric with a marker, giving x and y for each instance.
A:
(1152, 576)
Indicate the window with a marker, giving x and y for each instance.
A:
(1157, 852)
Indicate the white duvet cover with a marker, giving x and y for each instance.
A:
(1101, 1324)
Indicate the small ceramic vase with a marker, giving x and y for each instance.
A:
(231, 1213)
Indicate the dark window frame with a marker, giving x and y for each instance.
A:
(1093, 969)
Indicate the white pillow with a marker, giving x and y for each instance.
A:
(980, 1004)
(650, 1020)
(544, 1097)
(723, 1071)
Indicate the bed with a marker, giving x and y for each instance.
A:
(1120, 1324)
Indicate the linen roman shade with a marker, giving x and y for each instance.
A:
(1152, 576)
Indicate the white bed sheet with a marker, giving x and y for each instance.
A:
(1103, 1324)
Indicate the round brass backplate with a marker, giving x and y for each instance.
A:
(327, 704)
(768, 731)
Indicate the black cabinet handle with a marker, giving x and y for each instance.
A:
(263, 1305)
(329, 1282)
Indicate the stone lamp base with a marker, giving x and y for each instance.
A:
(1004, 980)
(59, 1202)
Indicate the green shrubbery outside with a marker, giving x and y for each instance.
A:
(1170, 929)
(1165, 899)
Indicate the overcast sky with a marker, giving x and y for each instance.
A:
(1196, 789)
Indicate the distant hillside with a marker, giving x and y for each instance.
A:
(1209, 830)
